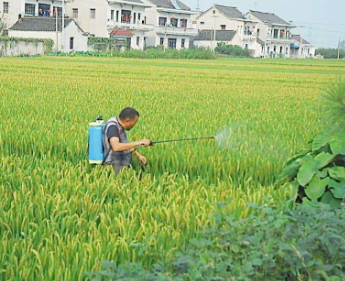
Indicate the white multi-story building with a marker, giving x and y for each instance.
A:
(113, 18)
(301, 48)
(173, 26)
(11, 9)
(275, 32)
(220, 18)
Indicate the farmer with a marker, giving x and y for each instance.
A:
(118, 151)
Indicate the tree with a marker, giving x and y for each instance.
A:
(2, 25)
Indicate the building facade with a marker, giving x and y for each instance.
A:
(11, 9)
(275, 32)
(173, 26)
(103, 18)
(226, 18)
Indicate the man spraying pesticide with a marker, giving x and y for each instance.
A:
(109, 145)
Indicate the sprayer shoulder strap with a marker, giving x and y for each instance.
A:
(107, 125)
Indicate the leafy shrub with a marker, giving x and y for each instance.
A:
(151, 53)
(329, 53)
(303, 244)
(319, 170)
(231, 50)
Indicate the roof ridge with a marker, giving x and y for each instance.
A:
(226, 6)
(267, 13)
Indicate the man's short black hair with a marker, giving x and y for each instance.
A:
(128, 113)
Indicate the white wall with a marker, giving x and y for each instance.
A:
(80, 41)
(216, 20)
(22, 48)
(97, 26)
(14, 10)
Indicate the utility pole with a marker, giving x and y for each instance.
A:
(339, 49)
(63, 26)
(214, 42)
(165, 36)
(57, 31)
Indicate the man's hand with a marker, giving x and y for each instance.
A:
(146, 142)
(142, 159)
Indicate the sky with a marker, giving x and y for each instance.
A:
(321, 22)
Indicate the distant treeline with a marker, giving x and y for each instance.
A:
(330, 53)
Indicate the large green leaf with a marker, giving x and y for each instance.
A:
(327, 197)
(320, 141)
(316, 188)
(337, 173)
(307, 171)
(324, 159)
(338, 190)
(338, 147)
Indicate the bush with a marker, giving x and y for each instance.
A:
(303, 244)
(329, 53)
(151, 53)
(232, 50)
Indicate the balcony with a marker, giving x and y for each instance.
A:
(280, 39)
(132, 26)
(176, 30)
(249, 36)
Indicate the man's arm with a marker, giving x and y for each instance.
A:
(117, 146)
(141, 158)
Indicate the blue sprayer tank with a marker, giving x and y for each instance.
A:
(96, 151)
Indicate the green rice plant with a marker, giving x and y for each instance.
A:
(60, 217)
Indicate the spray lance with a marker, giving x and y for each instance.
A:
(181, 140)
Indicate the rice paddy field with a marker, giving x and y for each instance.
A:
(60, 217)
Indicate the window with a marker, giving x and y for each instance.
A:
(71, 43)
(92, 14)
(112, 14)
(258, 32)
(202, 23)
(275, 48)
(138, 40)
(30, 9)
(58, 10)
(139, 16)
(246, 46)
(135, 18)
(268, 50)
(275, 33)
(161, 41)
(214, 12)
(126, 16)
(117, 16)
(5, 7)
(172, 43)
(287, 50)
(183, 22)
(174, 21)
(162, 21)
(223, 27)
(183, 41)
(281, 50)
(75, 13)
(44, 10)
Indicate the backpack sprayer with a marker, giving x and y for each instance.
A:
(96, 150)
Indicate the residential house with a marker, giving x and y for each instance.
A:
(210, 38)
(74, 39)
(10, 10)
(301, 48)
(173, 27)
(226, 18)
(274, 32)
(114, 18)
